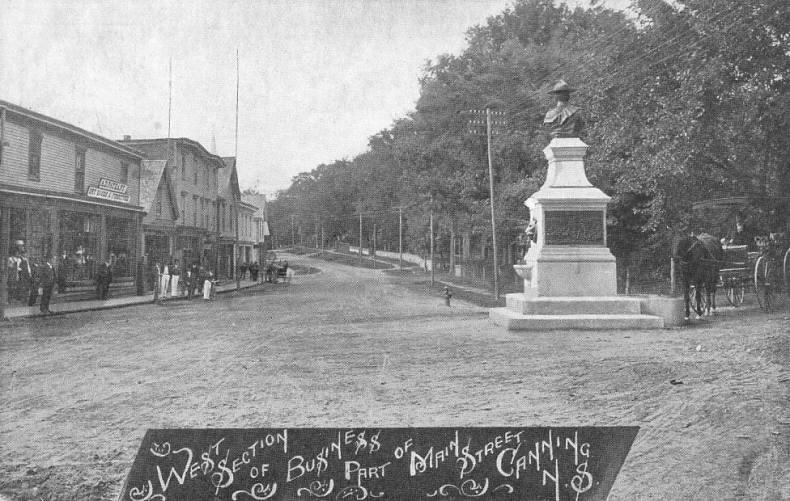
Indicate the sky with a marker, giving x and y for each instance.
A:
(317, 78)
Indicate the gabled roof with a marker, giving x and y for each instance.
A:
(153, 173)
(178, 140)
(259, 201)
(70, 129)
(228, 180)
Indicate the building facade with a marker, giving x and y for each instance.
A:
(159, 200)
(229, 197)
(194, 174)
(247, 244)
(69, 194)
(260, 225)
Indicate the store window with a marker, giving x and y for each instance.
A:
(78, 249)
(79, 170)
(120, 245)
(34, 156)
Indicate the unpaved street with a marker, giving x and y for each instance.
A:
(353, 347)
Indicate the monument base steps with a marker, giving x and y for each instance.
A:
(573, 305)
(515, 321)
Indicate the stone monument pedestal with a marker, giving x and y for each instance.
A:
(570, 278)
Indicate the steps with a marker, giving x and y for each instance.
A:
(556, 313)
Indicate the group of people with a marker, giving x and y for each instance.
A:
(170, 280)
(253, 268)
(26, 277)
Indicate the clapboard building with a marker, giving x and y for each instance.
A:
(193, 173)
(228, 200)
(70, 194)
(159, 200)
(260, 225)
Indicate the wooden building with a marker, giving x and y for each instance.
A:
(194, 173)
(70, 194)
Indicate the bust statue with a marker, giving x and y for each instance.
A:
(564, 120)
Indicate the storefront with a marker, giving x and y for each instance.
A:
(225, 259)
(78, 234)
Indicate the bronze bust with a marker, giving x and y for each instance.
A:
(564, 120)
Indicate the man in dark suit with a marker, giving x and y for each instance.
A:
(103, 280)
(27, 279)
(46, 280)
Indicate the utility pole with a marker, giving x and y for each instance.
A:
(235, 162)
(293, 235)
(491, 118)
(433, 263)
(400, 237)
(360, 238)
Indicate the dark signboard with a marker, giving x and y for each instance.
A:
(574, 227)
(550, 464)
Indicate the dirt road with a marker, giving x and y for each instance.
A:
(351, 347)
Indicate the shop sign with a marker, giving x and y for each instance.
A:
(97, 192)
(107, 184)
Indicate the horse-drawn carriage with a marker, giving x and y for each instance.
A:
(276, 270)
(761, 264)
(765, 271)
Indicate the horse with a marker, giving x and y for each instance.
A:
(700, 259)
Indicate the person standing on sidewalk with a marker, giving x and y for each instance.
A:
(13, 275)
(46, 279)
(175, 276)
(208, 283)
(254, 269)
(27, 286)
(164, 282)
(103, 280)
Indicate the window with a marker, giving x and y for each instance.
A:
(195, 210)
(183, 167)
(34, 156)
(79, 170)
(183, 208)
(195, 176)
(159, 202)
(124, 173)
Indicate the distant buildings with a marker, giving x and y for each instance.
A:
(83, 198)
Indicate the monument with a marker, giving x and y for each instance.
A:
(569, 274)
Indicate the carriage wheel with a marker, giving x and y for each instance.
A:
(762, 283)
(735, 291)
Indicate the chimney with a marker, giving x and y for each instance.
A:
(127, 137)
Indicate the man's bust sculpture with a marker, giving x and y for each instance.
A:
(564, 120)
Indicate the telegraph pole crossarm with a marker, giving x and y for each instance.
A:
(483, 122)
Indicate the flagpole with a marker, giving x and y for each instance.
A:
(236, 163)
(169, 96)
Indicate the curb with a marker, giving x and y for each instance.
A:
(116, 306)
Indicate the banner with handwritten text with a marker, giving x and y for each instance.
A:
(534, 463)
